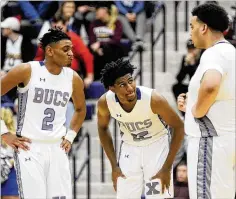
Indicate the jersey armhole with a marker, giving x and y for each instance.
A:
(25, 88)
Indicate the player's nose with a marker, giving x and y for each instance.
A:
(130, 88)
(70, 53)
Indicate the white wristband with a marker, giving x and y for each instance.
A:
(70, 135)
(4, 129)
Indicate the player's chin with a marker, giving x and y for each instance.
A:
(68, 64)
(131, 99)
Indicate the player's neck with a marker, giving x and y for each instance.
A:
(128, 106)
(213, 39)
(52, 67)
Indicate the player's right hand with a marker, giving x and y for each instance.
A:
(16, 142)
(182, 101)
(116, 172)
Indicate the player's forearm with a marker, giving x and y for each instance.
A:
(176, 141)
(205, 100)
(107, 144)
(78, 119)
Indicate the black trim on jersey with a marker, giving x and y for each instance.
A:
(18, 176)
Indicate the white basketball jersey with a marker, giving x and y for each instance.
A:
(43, 103)
(220, 119)
(141, 126)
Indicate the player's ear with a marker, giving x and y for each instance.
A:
(204, 28)
(49, 50)
(112, 88)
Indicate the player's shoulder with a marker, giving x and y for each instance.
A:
(157, 98)
(102, 101)
(23, 68)
(70, 73)
(143, 93)
(69, 70)
(144, 89)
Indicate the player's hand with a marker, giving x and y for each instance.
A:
(182, 101)
(65, 145)
(164, 175)
(116, 172)
(16, 142)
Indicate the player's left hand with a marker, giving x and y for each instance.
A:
(65, 145)
(164, 175)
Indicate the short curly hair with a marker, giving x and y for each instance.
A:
(114, 70)
(52, 36)
(213, 15)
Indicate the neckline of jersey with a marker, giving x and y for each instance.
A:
(42, 63)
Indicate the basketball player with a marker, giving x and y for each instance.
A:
(210, 108)
(44, 91)
(143, 115)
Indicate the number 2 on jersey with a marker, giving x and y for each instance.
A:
(48, 119)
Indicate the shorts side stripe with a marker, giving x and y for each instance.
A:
(18, 176)
(204, 168)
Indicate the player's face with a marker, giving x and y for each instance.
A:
(125, 88)
(181, 173)
(62, 53)
(197, 32)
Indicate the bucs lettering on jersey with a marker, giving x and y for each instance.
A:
(141, 126)
(43, 103)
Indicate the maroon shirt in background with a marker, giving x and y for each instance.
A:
(181, 190)
(98, 31)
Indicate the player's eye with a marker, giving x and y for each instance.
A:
(131, 81)
(122, 85)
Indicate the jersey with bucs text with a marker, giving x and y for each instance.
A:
(141, 126)
(43, 103)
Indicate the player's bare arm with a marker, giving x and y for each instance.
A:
(207, 93)
(161, 107)
(17, 75)
(80, 111)
(103, 116)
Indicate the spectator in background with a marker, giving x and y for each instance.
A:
(15, 48)
(80, 50)
(35, 11)
(104, 37)
(181, 182)
(67, 11)
(132, 16)
(9, 188)
(189, 65)
(230, 33)
(86, 13)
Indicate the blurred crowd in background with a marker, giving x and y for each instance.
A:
(101, 32)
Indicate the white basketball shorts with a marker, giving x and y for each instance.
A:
(139, 164)
(43, 172)
(211, 167)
